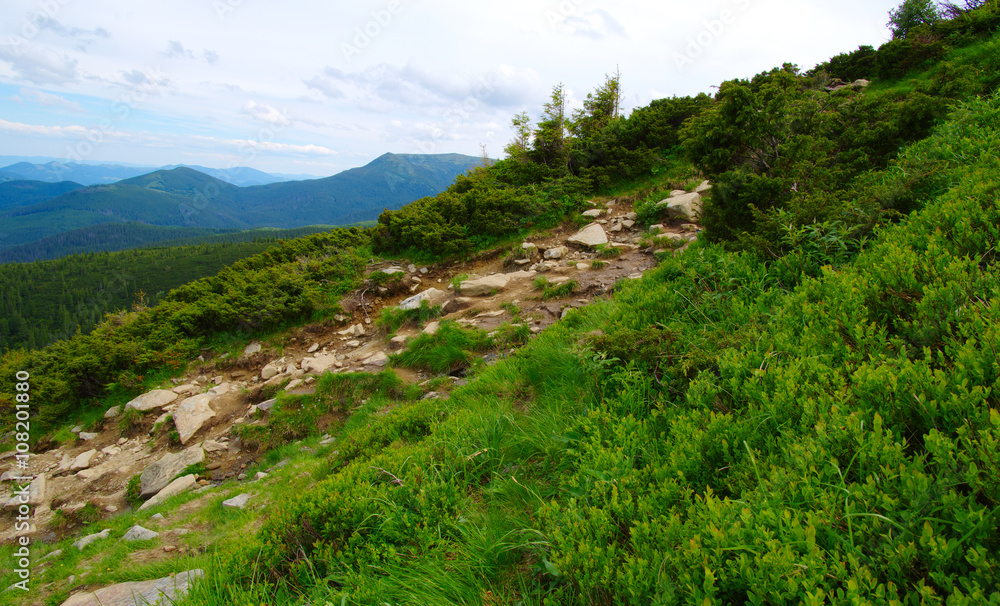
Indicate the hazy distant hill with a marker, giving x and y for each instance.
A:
(24, 193)
(87, 174)
(53, 171)
(184, 197)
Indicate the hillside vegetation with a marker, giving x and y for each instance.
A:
(184, 197)
(799, 408)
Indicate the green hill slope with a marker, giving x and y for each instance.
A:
(26, 193)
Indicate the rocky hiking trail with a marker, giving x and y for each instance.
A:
(89, 477)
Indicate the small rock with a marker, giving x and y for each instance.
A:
(379, 359)
(252, 349)
(113, 412)
(591, 236)
(594, 213)
(293, 384)
(397, 342)
(557, 252)
(77, 429)
(313, 348)
(213, 446)
(260, 475)
(158, 398)
(169, 548)
(267, 405)
(86, 437)
(81, 544)
(138, 533)
(156, 516)
(82, 461)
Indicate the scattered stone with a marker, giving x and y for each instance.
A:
(319, 364)
(616, 228)
(191, 416)
(64, 465)
(159, 592)
(169, 548)
(113, 412)
(269, 372)
(81, 544)
(50, 555)
(252, 348)
(557, 252)
(397, 342)
(378, 359)
(82, 461)
(593, 214)
(212, 446)
(110, 508)
(686, 207)
(591, 236)
(267, 405)
(77, 429)
(158, 475)
(111, 450)
(156, 516)
(432, 328)
(138, 533)
(313, 348)
(358, 330)
(433, 297)
(219, 390)
(237, 502)
(293, 384)
(704, 187)
(655, 229)
(628, 223)
(352, 344)
(174, 488)
(260, 475)
(86, 437)
(158, 398)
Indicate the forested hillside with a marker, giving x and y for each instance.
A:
(183, 197)
(799, 408)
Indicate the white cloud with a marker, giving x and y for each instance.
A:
(49, 100)
(72, 131)
(266, 114)
(37, 64)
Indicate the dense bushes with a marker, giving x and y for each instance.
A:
(288, 282)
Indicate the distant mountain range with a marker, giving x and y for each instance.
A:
(184, 197)
(54, 171)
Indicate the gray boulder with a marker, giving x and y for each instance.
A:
(176, 487)
(81, 544)
(590, 236)
(138, 533)
(159, 592)
(158, 398)
(192, 414)
(156, 476)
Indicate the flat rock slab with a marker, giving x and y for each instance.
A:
(192, 414)
(484, 286)
(159, 592)
(156, 476)
(318, 364)
(237, 502)
(138, 533)
(158, 398)
(590, 236)
(379, 359)
(82, 460)
(176, 487)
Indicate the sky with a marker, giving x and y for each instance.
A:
(316, 87)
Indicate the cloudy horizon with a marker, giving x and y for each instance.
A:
(310, 88)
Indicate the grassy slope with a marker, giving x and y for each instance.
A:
(838, 441)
